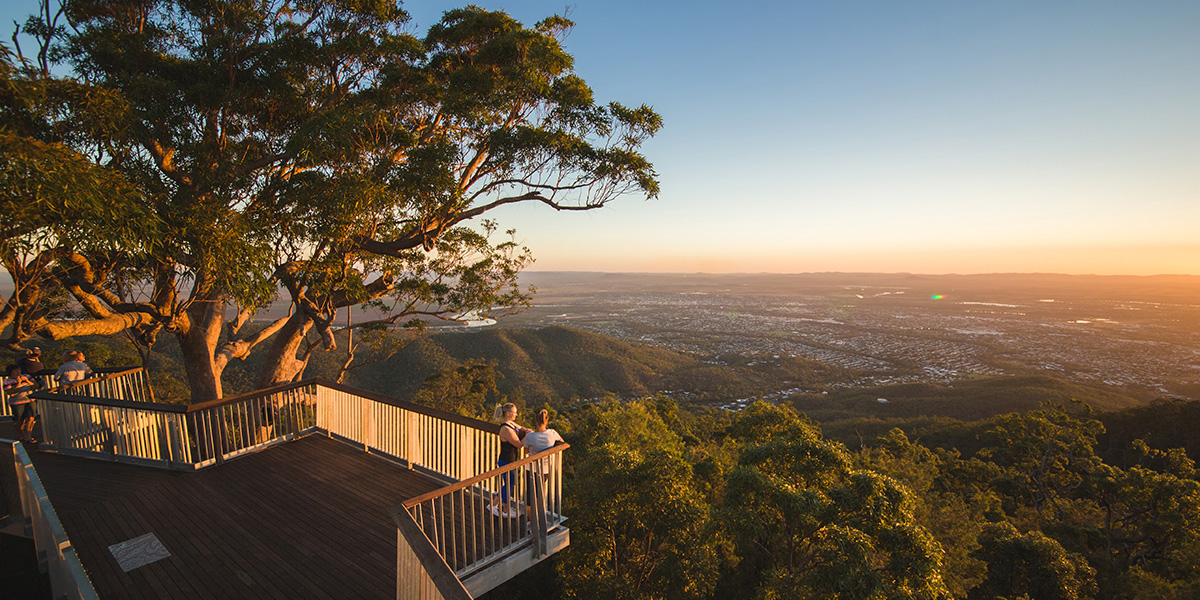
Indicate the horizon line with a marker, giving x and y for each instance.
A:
(894, 273)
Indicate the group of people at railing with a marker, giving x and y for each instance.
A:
(27, 375)
(514, 438)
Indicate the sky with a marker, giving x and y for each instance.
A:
(887, 136)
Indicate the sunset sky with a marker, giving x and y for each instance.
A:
(923, 136)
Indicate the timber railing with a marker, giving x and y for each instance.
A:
(31, 516)
(115, 383)
(448, 535)
(119, 383)
(480, 520)
(200, 435)
(45, 377)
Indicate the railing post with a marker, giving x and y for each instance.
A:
(538, 510)
(367, 423)
(220, 437)
(413, 434)
(466, 456)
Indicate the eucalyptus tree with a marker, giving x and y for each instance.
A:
(644, 528)
(807, 524)
(319, 148)
(57, 199)
(1030, 565)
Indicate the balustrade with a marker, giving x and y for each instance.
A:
(29, 506)
(489, 514)
(480, 520)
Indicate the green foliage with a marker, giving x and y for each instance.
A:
(812, 526)
(947, 498)
(633, 426)
(468, 390)
(1048, 457)
(644, 530)
(764, 421)
(1030, 564)
(1034, 513)
(315, 149)
(1151, 520)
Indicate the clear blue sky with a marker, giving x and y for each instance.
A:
(921, 136)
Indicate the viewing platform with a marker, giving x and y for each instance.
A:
(307, 490)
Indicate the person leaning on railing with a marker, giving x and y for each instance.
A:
(31, 365)
(18, 386)
(541, 438)
(73, 368)
(510, 450)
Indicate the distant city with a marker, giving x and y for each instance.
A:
(1138, 334)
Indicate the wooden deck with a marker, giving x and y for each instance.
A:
(303, 519)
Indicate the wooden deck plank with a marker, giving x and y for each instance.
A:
(192, 552)
(303, 550)
(305, 519)
(343, 564)
(241, 518)
(148, 581)
(101, 578)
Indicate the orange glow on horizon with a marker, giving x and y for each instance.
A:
(1078, 260)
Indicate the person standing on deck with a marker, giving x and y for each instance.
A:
(73, 368)
(31, 365)
(18, 386)
(510, 450)
(540, 439)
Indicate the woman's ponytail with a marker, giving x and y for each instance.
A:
(502, 410)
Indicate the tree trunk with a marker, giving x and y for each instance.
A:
(281, 365)
(199, 343)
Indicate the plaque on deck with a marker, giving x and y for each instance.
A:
(138, 552)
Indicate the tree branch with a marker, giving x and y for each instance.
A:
(110, 325)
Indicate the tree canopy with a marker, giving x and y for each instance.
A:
(319, 148)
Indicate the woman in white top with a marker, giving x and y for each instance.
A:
(542, 437)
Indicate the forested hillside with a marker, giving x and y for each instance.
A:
(541, 365)
(668, 501)
(558, 364)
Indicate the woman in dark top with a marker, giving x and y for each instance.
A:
(510, 451)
